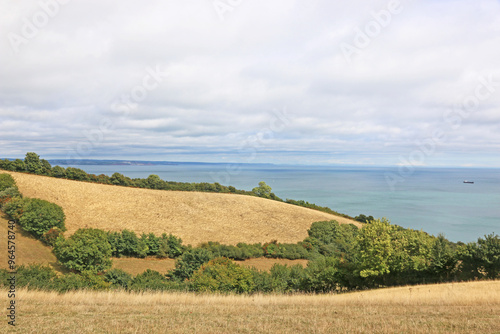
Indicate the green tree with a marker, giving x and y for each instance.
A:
(263, 190)
(86, 250)
(190, 261)
(222, 275)
(33, 163)
(374, 248)
(39, 216)
(18, 165)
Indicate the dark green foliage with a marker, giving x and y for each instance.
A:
(286, 279)
(86, 280)
(150, 280)
(39, 216)
(126, 243)
(33, 163)
(6, 164)
(6, 181)
(76, 174)
(364, 219)
(480, 259)
(35, 276)
(118, 278)
(222, 275)
(189, 262)
(18, 165)
(121, 180)
(58, 171)
(322, 275)
(50, 237)
(170, 246)
(86, 250)
(8, 194)
(14, 208)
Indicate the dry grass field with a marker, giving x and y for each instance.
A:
(447, 308)
(193, 216)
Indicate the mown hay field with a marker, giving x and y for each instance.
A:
(472, 307)
(193, 216)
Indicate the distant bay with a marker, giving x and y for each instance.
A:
(432, 199)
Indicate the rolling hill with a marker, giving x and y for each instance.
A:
(193, 216)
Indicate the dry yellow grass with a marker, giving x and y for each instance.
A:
(447, 308)
(195, 217)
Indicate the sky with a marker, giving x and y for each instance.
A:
(253, 81)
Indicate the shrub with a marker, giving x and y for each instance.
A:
(6, 181)
(222, 275)
(86, 250)
(118, 278)
(127, 243)
(150, 280)
(189, 262)
(50, 237)
(8, 194)
(35, 276)
(14, 208)
(85, 280)
(39, 216)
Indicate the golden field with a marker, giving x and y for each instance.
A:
(472, 307)
(193, 216)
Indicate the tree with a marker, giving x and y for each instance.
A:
(18, 165)
(33, 163)
(39, 216)
(222, 275)
(189, 262)
(374, 248)
(86, 250)
(263, 190)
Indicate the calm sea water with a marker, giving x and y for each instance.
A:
(432, 199)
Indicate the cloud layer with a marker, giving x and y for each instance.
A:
(369, 82)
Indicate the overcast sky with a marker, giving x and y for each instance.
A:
(279, 81)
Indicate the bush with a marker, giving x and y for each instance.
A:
(8, 194)
(86, 280)
(118, 278)
(39, 216)
(50, 237)
(14, 208)
(6, 181)
(127, 243)
(35, 276)
(222, 275)
(189, 262)
(86, 250)
(150, 280)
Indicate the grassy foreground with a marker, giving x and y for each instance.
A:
(446, 308)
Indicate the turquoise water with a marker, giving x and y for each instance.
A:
(432, 199)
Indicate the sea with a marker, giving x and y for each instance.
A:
(435, 200)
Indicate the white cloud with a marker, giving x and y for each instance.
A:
(225, 78)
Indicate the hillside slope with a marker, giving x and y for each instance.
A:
(195, 217)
